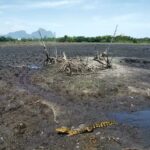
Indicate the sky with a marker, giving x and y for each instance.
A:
(77, 17)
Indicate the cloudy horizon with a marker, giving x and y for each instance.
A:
(76, 17)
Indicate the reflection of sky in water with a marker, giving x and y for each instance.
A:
(139, 119)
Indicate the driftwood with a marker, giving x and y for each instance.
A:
(75, 66)
(49, 59)
(70, 67)
(103, 59)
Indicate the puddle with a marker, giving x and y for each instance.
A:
(33, 66)
(139, 119)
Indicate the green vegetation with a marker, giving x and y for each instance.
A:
(4, 39)
(104, 39)
(99, 39)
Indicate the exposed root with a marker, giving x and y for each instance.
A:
(103, 59)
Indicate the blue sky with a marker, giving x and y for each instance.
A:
(77, 17)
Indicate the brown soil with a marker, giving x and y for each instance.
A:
(35, 102)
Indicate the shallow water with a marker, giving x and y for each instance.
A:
(139, 119)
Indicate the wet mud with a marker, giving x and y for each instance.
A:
(29, 113)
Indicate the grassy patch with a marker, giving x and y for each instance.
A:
(89, 85)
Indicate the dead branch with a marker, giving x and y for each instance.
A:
(48, 60)
(103, 59)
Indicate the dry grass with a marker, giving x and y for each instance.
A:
(89, 85)
(119, 81)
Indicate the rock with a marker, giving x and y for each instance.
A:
(20, 128)
(98, 133)
(41, 133)
(77, 147)
(1, 140)
(102, 137)
(131, 97)
(132, 106)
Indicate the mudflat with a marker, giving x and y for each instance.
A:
(36, 99)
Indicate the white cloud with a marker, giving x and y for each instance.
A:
(129, 24)
(54, 4)
(123, 18)
(41, 5)
(89, 7)
(18, 24)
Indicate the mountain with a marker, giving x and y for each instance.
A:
(45, 34)
(35, 35)
(18, 34)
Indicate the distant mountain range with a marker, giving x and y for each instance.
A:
(34, 35)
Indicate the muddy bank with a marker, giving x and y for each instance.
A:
(32, 106)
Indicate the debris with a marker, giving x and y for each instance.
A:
(49, 59)
(114, 139)
(148, 92)
(131, 97)
(93, 140)
(98, 133)
(103, 59)
(77, 65)
(70, 67)
(132, 105)
(102, 137)
(20, 128)
(1, 140)
(77, 147)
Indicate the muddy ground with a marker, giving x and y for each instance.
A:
(36, 99)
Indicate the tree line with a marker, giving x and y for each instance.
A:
(6, 39)
(104, 39)
(99, 39)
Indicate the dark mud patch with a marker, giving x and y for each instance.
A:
(136, 62)
(27, 109)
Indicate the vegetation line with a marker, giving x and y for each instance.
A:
(97, 39)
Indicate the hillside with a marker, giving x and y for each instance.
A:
(34, 35)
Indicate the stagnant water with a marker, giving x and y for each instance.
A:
(139, 119)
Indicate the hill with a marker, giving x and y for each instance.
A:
(34, 35)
